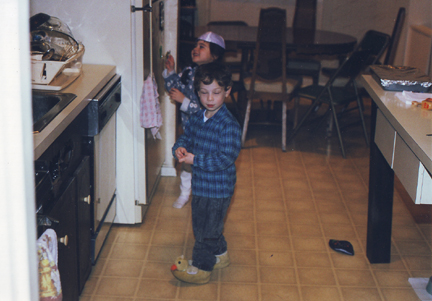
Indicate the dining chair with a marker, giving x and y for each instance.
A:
(305, 14)
(394, 39)
(232, 58)
(304, 23)
(370, 48)
(269, 80)
(368, 44)
(391, 48)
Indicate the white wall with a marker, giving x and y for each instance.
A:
(245, 10)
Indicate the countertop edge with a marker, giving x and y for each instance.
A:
(374, 91)
(86, 86)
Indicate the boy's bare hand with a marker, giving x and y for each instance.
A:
(169, 63)
(176, 95)
(188, 158)
(180, 153)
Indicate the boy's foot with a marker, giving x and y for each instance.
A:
(181, 201)
(188, 273)
(222, 261)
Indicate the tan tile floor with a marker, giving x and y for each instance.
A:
(285, 209)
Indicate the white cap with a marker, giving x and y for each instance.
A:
(211, 37)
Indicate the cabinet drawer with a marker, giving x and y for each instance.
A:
(412, 174)
(385, 137)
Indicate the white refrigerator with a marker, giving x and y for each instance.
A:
(132, 41)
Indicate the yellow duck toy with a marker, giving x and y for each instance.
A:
(188, 273)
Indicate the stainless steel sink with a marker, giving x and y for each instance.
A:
(46, 106)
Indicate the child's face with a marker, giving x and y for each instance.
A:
(201, 53)
(212, 97)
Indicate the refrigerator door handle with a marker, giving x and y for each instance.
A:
(146, 8)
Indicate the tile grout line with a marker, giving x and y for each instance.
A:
(184, 249)
(254, 206)
(354, 225)
(150, 243)
(100, 276)
(337, 284)
(402, 257)
(288, 225)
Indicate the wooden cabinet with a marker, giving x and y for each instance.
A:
(401, 145)
(65, 212)
(72, 211)
(399, 156)
(82, 176)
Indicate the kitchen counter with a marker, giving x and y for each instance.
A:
(85, 87)
(413, 124)
(400, 144)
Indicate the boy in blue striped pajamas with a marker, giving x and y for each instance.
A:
(211, 143)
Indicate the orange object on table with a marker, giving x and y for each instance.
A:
(427, 104)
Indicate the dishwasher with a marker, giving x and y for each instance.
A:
(100, 144)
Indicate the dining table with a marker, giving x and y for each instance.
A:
(299, 40)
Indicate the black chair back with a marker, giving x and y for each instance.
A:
(394, 40)
(367, 53)
(304, 24)
(305, 14)
(271, 44)
(269, 81)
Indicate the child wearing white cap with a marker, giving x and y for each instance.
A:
(209, 47)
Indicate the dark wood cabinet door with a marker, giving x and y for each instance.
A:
(82, 175)
(65, 212)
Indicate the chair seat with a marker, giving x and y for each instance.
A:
(303, 66)
(235, 76)
(271, 86)
(341, 95)
(232, 57)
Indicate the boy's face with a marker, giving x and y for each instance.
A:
(201, 53)
(212, 97)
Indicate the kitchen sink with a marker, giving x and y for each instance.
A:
(46, 106)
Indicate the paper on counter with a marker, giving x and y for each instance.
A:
(408, 97)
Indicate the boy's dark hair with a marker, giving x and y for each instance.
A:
(217, 71)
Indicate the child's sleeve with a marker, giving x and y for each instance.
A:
(226, 153)
(172, 80)
(183, 141)
(191, 103)
(190, 106)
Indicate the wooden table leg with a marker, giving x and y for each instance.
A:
(380, 208)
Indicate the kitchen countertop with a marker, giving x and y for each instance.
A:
(413, 124)
(400, 146)
(85, 87)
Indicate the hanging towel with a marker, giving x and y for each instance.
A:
(49, 275)
(151, 117)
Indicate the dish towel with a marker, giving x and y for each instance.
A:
(150, 116)
(49, 275)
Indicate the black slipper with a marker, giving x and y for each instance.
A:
(342, 246)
